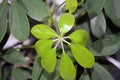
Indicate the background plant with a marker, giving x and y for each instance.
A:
(100, 18)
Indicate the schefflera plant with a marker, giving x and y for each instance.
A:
(49, 41)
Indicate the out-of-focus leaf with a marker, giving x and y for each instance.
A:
(112, 10)
(52, 76)
(48, 62)
(71, 5)
(19, 24)
(79, 36)
(19, 74)
(42, 31)
(37, 69)
(67, 68)
(41, 46)
(6, 72)
(98, 25)
(84, 77)
(104, 47)
(3, 19)
(66, 22)
(100, 73)
(15, 57)
(0, 72)
(94, 7)
(82, 55)
(36, 9)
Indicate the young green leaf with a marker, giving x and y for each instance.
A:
(42, 31)
(82, 55)
(71, 5)
(67, 68)
(41, 46)
(66, 22)
(79, 36)
(49, 60)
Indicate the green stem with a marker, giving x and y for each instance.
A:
(58, 7)
(63, 50)
(57, 44)
(53, 5)
(25, 47)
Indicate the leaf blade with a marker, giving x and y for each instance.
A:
(67, 68)
(82, 55)
(19, 24)
(36, 9)
(3, 21)
(42, 31)
(48, 62)
(66, 22)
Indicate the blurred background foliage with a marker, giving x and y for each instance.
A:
(19, 61)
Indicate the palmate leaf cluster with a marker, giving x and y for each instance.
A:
(76, 46)
(47, 50)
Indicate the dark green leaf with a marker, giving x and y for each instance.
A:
(42, 31)
(82, 55)
(112, 10)
(0, 72)
(79, 36)
(100, 73)
(19, 24)
(19, 74)
(104, 47)
(84, 77)
(66, 22)
(41, 46)
(36, 9)
(67, 68)
(49, 60)
(98, 25)
(71, 5)
(6, 72)
(13, 56)
(3, 19)
(37, 69)
(94, 7)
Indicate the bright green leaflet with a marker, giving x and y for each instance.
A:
(42, 31)
(41, 46)
(100, 73)
(3, 19)
(36, 9)
(71, 5)
(67, 68)
(80, 37)
(49, 60)
(82, 55)
(19, 24)
(66, 22)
